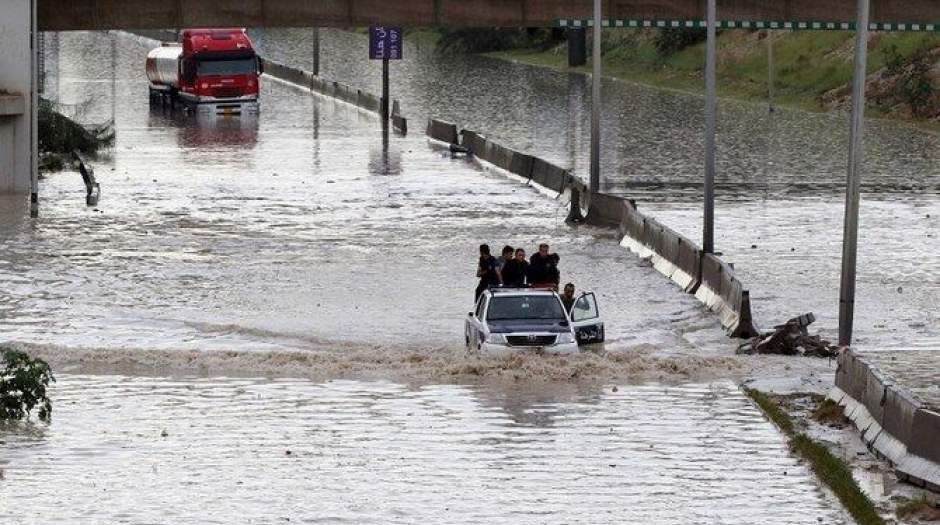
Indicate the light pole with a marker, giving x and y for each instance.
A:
(595, 182)
(708, 230)
(853, 179)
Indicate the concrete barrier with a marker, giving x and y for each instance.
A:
(549, 175)
(605, 210)
(442, 131)
(498, 155)
(893, 423)
(671, 254)
(925, 435)
(521, 164)
(721, 292)
(473, 141)
(851, 374)
(898, 415)
(400, 124)
(369, 101)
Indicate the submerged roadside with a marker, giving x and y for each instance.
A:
(812, 70)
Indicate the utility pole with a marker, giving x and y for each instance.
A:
(770, 70)
(853, 179)
(595, 182)
(316, 51)
(708, 231)
(34, 111)
(385, 92)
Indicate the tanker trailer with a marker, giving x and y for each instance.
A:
(209, 70)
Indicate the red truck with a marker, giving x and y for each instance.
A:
(208, 70)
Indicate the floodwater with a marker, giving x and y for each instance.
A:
(145, 450)
(294, 231)
(298, 244)
(780, 181)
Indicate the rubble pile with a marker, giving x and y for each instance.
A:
(791, 338)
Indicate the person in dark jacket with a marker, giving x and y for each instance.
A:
(568, 298)
(515, 271)
(487, 271)
(543, 269)
(506, 257)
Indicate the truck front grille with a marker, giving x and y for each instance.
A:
(531, 340)
(226, 92)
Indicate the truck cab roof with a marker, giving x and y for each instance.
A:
(214, 40)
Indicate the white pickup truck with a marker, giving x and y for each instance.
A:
(508, 320)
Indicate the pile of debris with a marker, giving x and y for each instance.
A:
(791, 338)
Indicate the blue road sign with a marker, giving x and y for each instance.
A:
(385, 43)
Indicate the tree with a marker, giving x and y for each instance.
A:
(23, 383)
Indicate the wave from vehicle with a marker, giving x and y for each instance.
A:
(442, 364)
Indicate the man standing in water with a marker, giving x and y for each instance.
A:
(514, 271)
(543, 269)
(567, 297)
(507, 256)
(487, 271)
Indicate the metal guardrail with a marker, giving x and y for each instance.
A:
(92, 187)
(793, 25)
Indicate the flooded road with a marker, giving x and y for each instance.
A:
(295, 231)
(780, 180)
(298, 245)
(155, 450)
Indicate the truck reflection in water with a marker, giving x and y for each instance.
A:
(203, 130)
(218, 130)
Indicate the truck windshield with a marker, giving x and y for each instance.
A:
(525, 307)
(242, 66)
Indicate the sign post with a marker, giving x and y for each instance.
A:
(385, 43)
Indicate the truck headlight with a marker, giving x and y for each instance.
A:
(496, 339)
(565, 338)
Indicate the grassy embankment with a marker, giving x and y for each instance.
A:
(834, 472)
(813, 69)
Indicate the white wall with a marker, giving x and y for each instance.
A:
(16, 131)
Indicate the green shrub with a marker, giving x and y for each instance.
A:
(913, 72)
(487, 40)
(672, 40)
(59, 134)
(23, 383)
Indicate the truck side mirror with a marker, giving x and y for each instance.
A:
(260, 66)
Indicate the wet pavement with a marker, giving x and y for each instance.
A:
(148, 450)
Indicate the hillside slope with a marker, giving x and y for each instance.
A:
(813, 69)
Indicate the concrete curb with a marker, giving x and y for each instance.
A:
(893, 423)
(711, 280)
